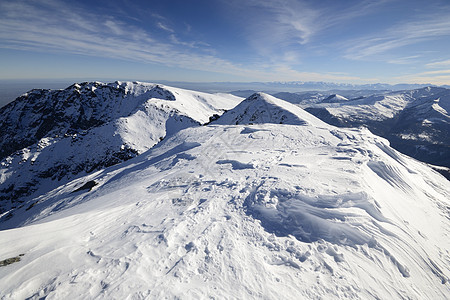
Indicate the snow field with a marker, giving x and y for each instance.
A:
(176, 222)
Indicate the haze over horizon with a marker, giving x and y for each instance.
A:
(388, 41)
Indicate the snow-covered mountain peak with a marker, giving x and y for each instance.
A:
(149, 91)
(426, 91)
(262, 108)
(334, 98)
(259, 95)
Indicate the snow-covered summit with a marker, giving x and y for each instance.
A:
(262, 108)
(334, 98)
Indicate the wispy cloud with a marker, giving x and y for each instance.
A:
(369, 47)
(404, 60)
(278, 28)
(334, 15)
(291, 20)
(51, 26)
(436, 72)
(439, 64)
(286, 73)
(414, 78)
(440, 77)
(272, 28)
(165, 27)
(56, 26)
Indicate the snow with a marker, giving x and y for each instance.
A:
(335, 98)
(120, 121)
(242, 208)
(263, 108)
(374, 107)
(416, 122)
(440, 110)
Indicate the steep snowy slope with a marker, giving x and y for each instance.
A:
(273, 211)
(51, 136)
(423, 129)
(416, 122)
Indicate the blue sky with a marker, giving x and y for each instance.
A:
(389, 41)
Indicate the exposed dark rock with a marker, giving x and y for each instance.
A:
(10, 260)
(87, 186)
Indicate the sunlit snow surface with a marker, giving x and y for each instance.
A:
(274, 211)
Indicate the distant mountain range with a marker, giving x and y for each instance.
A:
(11, 89)
(293, 86)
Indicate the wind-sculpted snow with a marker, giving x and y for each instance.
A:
(276, 211)
(311, 219)
(390, 174)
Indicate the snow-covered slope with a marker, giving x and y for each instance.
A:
(51, 136)
(300, 210)
(416, 122)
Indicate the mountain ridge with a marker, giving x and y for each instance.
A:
(416, 122)
(48, 136)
